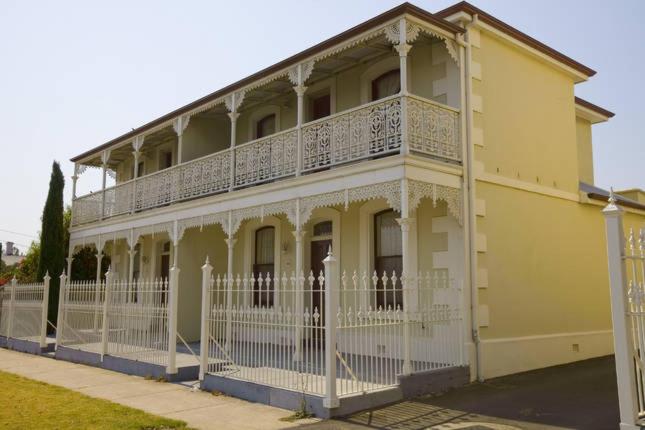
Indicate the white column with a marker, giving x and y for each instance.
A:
(207, 271)
(70, 260)
(45, 308)
(105, 332)
(230, 244)
(97, 296)
(331, 307)
(300, 278)
(136, 155)
(131, 255)
(300, 92)
(137, 143)
(12, 306)
(233, 116)
(173, 287)
(407, 278)
(74, 180)
(60, 319)
(179, 125)
(104, 168)
(403, 48)
(623, 335)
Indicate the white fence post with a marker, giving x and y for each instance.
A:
(623, 336)
(60, 318)
(106, 302)
(207, 270)
(331, 308)
(172, 321)
(45, 308)
(12, 307)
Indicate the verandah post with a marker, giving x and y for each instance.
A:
(61, 309)
(207, 271)
(12, 307)
(172, 320)
(106, 324)
(44, 309)
(331, 307)
(623, 336)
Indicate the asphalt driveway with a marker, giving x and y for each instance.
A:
(573, 396)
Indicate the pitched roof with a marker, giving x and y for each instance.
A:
(595, 108)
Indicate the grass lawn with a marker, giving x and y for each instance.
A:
(28, 404)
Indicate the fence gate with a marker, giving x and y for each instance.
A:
(626, 259)
(23, 311)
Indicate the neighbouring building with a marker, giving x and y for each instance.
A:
(445, 144)
(11, 255)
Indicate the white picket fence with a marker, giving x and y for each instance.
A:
(134, 320)
(23, 311)
(276, 330)
(626, 258)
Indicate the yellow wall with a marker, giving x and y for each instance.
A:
(528, 117)
(585, 152)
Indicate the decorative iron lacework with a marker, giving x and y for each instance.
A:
(452, 196)
(239, 98)
(361, 133)
(393, 33)
(307, 68)
(201, 221)
(390, 191)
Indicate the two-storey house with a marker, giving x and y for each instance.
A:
(444, 149)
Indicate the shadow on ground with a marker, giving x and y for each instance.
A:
(580, 395)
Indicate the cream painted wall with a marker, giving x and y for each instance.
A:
(205, 135)
(585, 153)
(528, 117)
(546, 261)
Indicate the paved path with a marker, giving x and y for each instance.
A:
(199, 409)
(580, 395)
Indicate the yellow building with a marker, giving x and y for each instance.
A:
(447, 146)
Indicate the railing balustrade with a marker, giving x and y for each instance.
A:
(266, 159)
(367, 131)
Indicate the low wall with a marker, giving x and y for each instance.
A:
(428, 382)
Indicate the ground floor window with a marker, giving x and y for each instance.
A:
(388, 258)
(264, 265)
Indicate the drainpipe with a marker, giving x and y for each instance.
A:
(469, 182)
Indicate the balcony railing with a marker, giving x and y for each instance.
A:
(368, 131)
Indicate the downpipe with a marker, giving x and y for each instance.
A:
(470, 192)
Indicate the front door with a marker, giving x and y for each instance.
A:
(319, 249)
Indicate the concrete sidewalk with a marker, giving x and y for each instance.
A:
(199, 409)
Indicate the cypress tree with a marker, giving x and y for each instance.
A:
(52, 239)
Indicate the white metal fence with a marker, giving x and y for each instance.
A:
(134, 320)
(626, 258)
(23, 311)
(276, 330)
(138, 320)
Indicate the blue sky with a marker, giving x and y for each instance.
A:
(76, 73)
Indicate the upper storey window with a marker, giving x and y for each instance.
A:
(388, 84)
(265, 126)
(320, 107)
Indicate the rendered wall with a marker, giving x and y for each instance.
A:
(542, 269)
(585, 152)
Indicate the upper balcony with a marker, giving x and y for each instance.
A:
(369, 98)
